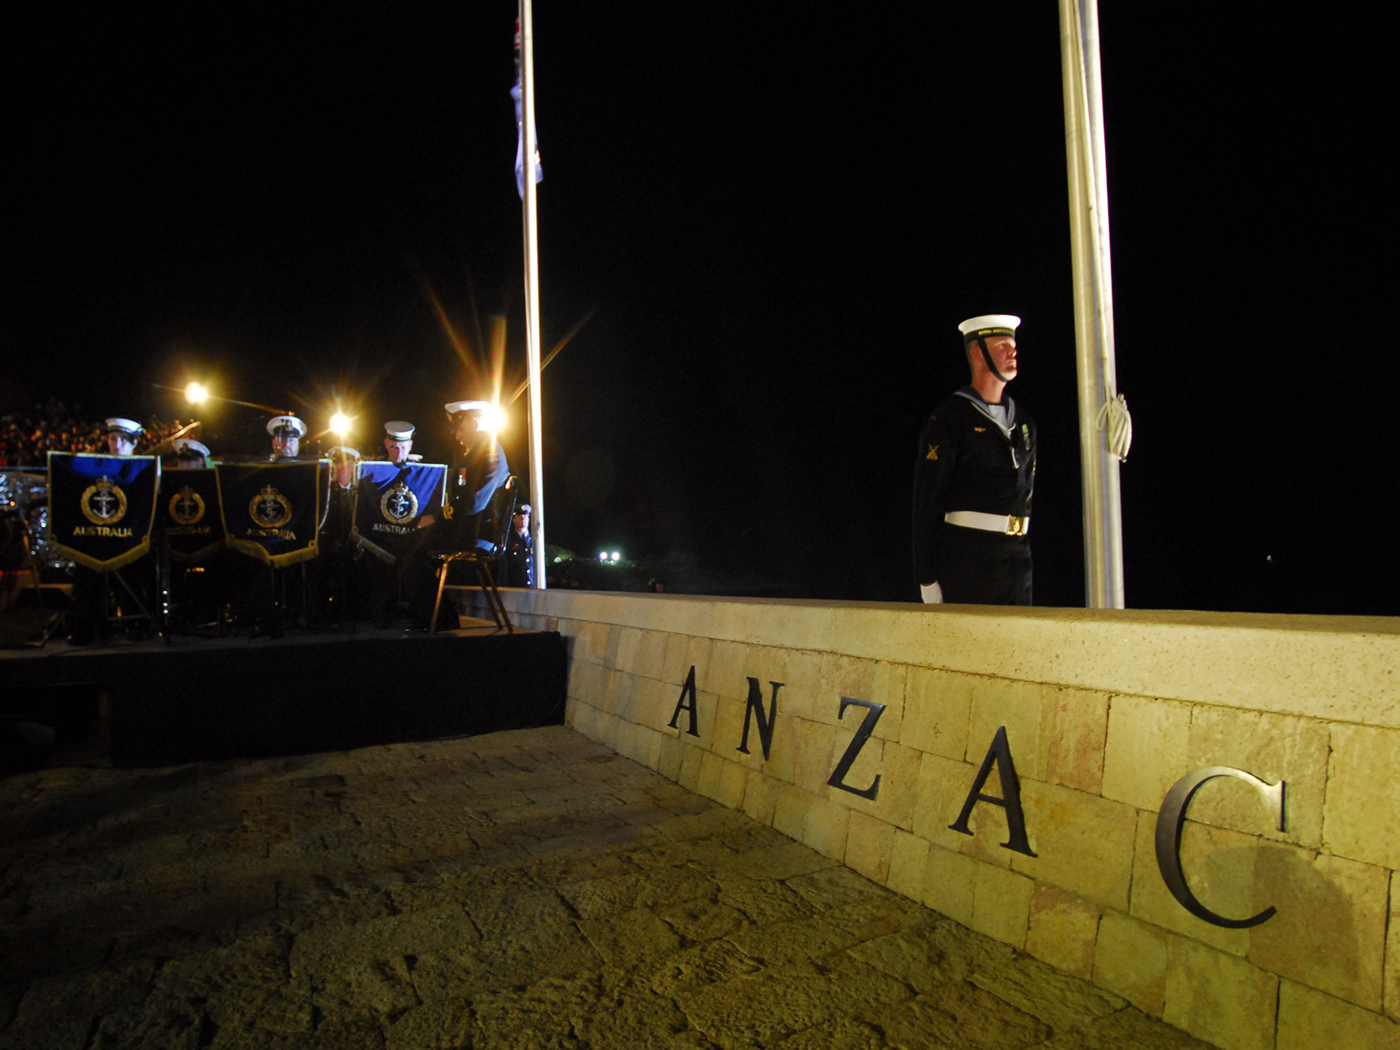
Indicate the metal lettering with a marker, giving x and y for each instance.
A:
(765, 722)
(688, 689)
(1172, 816)
(1000, 753)
(873, 711)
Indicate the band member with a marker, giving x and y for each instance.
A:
(122, 435)
(518, 564)
(287, 432)
(478, 471)
(190, 453)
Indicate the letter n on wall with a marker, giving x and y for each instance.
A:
(754, 712)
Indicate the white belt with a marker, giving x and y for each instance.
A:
(1009, 524)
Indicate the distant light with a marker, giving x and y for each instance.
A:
(603, 556)
(340, 423)
(616, 555)
(195, 394)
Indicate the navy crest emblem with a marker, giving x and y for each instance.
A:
(270, 509)
(187, 507)
(399, 504)
(103, 502)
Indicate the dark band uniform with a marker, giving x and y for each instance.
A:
(981, 476)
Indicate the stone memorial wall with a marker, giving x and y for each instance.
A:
(1198, 812)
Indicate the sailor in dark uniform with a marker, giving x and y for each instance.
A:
(973, 480)
(518, 565)
(477, 472)
(287, 432)
(89, 615)
(121, 436)
(189, 453)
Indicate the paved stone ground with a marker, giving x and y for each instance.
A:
(528, 889)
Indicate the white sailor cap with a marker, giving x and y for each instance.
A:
(985, 326)
(343, 452)
(456, 407)
(399, 430)
(188, 447)
(291, 423)
(129, 427)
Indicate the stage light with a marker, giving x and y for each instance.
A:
(195, 393)
(492, 421)
(603, 557)
(616, 556)
(340, 423)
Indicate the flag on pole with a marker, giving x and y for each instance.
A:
(520, 128)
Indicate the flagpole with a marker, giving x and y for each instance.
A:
(1105, 429)
(532, 283)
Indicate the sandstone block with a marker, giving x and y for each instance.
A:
(622, 658)
(1078, 736)
(937, 707)
(649, 660)
(1001, 904)
(1084, 843)
(1147, 750)
(1023, 709)
(1062, 930)
(908, 861)
(868, 845)
(1273, 748)
(1308, 1019)
(1130, 959)
(761, 797)
(1392, 950)
(890, 681)
(949, 883)
(725, 672)
(1329, 932)
(692, 760)
(824, 828)
(1363, 795)
(790, 813)
(1219, 998)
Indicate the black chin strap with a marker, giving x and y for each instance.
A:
(986, 356)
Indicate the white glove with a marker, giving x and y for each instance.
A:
(932, 593)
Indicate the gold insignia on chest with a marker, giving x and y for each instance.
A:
(980, 430)
(932, 452)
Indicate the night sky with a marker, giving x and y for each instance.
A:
(779, 215)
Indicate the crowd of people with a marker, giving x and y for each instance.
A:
(27, 437)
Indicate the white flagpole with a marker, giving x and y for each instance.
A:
(532, 283)
(1105, 430)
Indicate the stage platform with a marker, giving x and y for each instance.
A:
(210, 699)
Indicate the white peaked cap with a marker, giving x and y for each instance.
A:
(124, 426)
(276, 423)
(184, 446)
(399, 429)
(989, 324)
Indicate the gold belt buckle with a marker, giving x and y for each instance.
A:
(1015, 526)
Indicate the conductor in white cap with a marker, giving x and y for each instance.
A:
(973, 480)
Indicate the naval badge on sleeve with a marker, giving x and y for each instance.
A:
(103, 502)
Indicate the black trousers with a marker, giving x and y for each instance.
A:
(976, 567)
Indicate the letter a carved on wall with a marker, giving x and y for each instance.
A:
(873, 711)
(687, 690)
(1000, 753)
(765, 721)
(1172, 816)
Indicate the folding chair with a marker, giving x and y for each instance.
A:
(480, 557)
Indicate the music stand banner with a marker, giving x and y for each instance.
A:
(102, 508)
(391, 500)
(188, 511)
(272, 511)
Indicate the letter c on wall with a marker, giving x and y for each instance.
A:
(1169, 824)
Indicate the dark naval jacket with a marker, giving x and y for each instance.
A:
(967, 462)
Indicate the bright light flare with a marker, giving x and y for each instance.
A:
(340, 423)
(195, 393)
(616, 556)
(493, 420)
